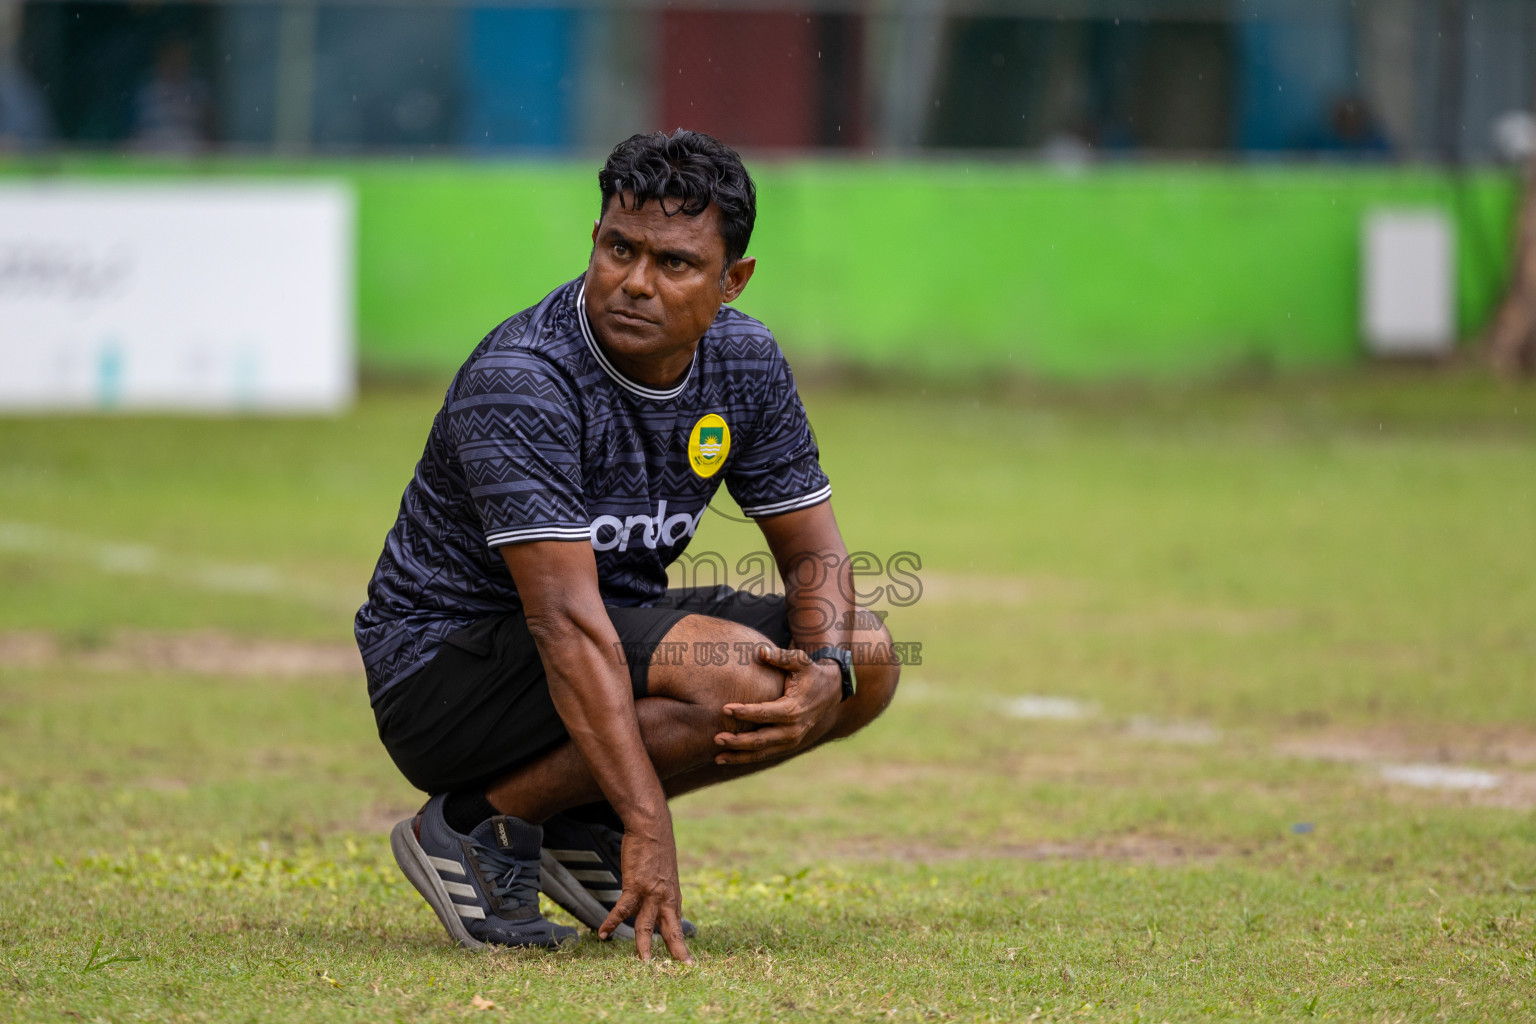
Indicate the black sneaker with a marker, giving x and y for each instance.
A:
(582, 873)
(484, 886)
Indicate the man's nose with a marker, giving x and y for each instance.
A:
(640, 282)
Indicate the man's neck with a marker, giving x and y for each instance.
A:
(660, 373)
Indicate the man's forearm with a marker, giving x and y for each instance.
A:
(592, 693)
(818, 579)
(818, 595)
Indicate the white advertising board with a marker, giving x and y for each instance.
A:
(176, 296)
(1408, 294)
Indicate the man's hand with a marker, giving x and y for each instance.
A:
(811, 691)
(557, 581)
(652, 894)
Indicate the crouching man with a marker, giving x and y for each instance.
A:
(527, 664)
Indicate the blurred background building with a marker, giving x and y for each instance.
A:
(1322, 79)
(1061, 188)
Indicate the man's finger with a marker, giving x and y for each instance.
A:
(753, 756)
(787, 658)
(785, 709)
(767, 753)
(645, 923)
(616, 916)
(758, 739)
(672, 935)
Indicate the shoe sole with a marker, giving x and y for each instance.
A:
(559, 886)
(413, 862)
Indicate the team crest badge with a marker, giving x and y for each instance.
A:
(708, 445)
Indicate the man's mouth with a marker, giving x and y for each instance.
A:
(632, 319)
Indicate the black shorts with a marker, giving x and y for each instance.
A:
(481, 706)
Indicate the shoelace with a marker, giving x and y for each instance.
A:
(511, 880)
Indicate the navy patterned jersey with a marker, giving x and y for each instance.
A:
(541, 438)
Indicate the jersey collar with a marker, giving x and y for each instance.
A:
(632, 386)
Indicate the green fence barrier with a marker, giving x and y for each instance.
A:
(951, 268)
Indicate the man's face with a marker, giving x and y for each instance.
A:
(653, 286)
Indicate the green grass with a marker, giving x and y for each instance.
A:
(1258, 595)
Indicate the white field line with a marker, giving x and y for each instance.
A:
(1197, 733)
(1055, 709)
(1033, 707)
(126, 559)
(1439, 776)
(200, 652)
(1188, 733)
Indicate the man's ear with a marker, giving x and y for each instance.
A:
(737, 277)
(595, 225)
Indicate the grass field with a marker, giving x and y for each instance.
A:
(1226, 709)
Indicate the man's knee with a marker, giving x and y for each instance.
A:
(877, 682)
(713, 662)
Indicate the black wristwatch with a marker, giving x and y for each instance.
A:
(844, 665)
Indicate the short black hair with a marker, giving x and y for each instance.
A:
(691, 167)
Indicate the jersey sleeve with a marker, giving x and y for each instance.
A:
(514, 422)
(779, 469)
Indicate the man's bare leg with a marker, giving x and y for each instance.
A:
(682, 716)
(678, 722)
(877, 672)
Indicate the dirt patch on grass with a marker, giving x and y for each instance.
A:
(203, 652)
(1517, 792)
(1475, 765)
(1134, 848)
(28, 649)
(1490, 746)
(164, 784)
(380, 818)
(1514, 791)
(879, 776)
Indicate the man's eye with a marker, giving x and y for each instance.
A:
(675, 263)
(620, 249)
